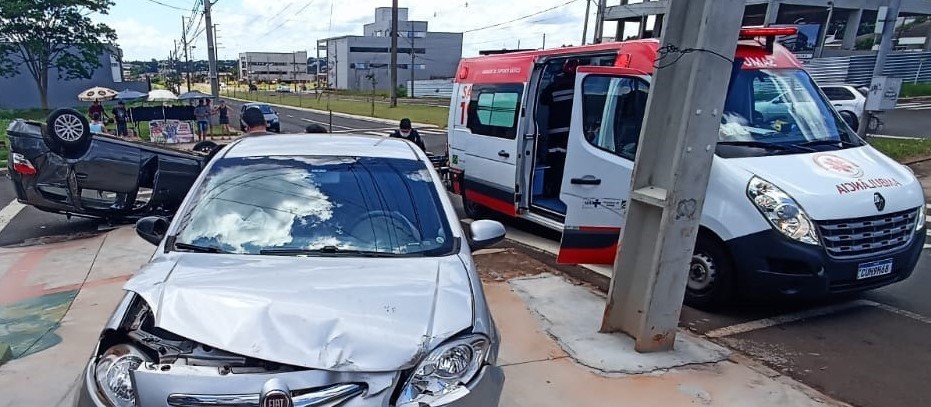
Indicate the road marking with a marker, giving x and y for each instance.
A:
(904, 313)
(325, 123)
(785, 319)
(289, 116)
(9, 212)
(920, 108)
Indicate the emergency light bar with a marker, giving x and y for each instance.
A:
(770, 33)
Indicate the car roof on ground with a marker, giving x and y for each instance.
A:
(349, 145)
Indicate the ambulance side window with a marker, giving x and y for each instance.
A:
(612, 113)
(493, 110)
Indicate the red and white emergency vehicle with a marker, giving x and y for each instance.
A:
(797, 204)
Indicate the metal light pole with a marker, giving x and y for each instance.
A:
(885, 46)
(921, 63)
(394, 53)
(588, 11)
(827, 24)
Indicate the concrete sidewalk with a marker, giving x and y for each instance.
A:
(55, 298)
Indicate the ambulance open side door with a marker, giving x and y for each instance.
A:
(608, 110)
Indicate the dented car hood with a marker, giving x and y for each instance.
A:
(331, 313)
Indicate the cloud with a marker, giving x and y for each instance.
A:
(293, 25)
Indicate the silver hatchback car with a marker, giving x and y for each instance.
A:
(305, 270)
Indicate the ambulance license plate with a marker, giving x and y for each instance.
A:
(874, 269)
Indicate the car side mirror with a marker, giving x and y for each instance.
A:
(485, 233)
(152, 229)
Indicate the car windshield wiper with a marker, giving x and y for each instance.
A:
(770, 146)
(199, 249)
(828, 142)
(325, 250)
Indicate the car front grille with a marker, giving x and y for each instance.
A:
(852, 238)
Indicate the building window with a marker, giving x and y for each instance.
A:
(377, 50)
(493, 110)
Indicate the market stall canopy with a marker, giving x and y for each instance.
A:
(161, 95)
(96, 93)
(129, 94)
(194, 94)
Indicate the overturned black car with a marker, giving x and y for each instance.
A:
(61, 167)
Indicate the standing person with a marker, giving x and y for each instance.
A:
(96, 109)
(407, 132)
(210, 116)
(223, 111)
(255, 123)
(200, 114)
(120, 115)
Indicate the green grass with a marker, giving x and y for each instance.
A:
(915, 89)
(902, 150)
(435, 115)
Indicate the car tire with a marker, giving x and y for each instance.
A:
(277, 129)
(850, 119)
(204, 146)
(67, 130)
(710, 281)
(473, 210)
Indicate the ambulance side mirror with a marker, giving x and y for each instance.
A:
(485, 233)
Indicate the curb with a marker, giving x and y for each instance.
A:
(6, 354)
(337, 114)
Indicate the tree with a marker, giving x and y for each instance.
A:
(46, 35)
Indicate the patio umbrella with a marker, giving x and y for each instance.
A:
(128, 94)
(161, 95)
(96, 93)
(194, 94)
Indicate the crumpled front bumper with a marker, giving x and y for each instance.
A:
(155, 387)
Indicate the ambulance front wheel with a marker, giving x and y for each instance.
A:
(711, 274)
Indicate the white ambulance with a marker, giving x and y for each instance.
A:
(797, 204)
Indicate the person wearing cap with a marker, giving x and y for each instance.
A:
(120, 115)
(255, 123)
(407, 132)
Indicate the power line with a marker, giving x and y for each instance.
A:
(285, 21)
(520, 18)
(167, 5)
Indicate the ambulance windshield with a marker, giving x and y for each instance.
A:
(779, 111)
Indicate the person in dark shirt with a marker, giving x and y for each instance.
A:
(96, 109)
(254, 120)
(223, 111)
(407, 132)
(121, 115)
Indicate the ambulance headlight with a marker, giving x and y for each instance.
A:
(782, 211)
(921, 218)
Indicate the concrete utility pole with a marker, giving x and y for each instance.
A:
(600, 21)
(588, 10)
(187, 61)
(671, 172)
(211, 52)
(410, 92)
(885, 46)
(394, 53)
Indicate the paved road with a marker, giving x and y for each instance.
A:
(294, 120)
(911, 119)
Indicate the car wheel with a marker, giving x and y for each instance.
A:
(711, 274)
(67, 129)
(277, 129)
(204, 146)
(850, 119)
(473, 210)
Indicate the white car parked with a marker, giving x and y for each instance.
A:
(848, 100)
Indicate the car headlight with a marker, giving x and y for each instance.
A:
(921, 217)
(113, 374)
(445, 371)
(783, 213)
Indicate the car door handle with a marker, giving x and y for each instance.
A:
(504, 154)
(586, 180)
(80, 175)
(838, 105)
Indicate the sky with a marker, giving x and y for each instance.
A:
(147, 29)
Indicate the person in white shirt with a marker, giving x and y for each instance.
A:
(96, 125)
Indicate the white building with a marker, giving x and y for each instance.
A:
(287, 67)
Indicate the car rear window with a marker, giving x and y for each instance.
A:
(336, 205)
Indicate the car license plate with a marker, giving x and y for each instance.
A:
(874, 269)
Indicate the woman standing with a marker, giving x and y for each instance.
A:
(223, 111)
